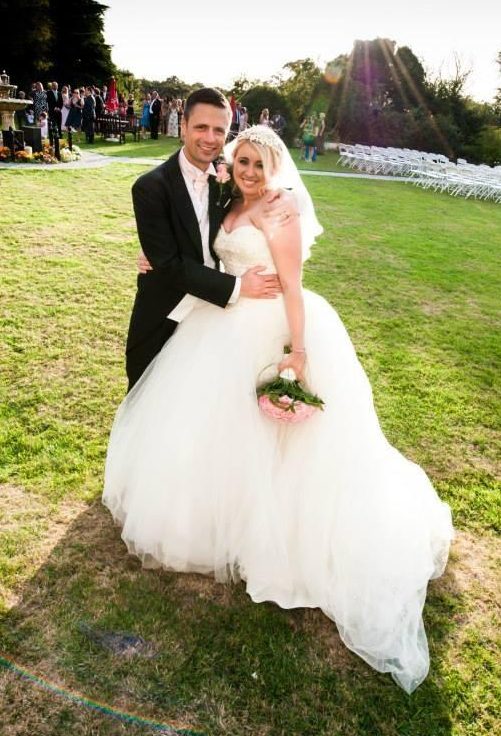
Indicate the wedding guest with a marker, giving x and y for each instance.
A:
(55, 107)
(172, 127)
(122, 106)
(104, 92)
(99, 102)
(278, 123)
(89, 115)
(66, 106)
(130, 109)
(155, 106)
(43, 123)
(164, 115)
(145, 115)
(264, 117)
(235, 121)
(74, 119)
(39, 97)
(309, 128)
(180, 113)
(20, 115)
(320, 138)
(244, 119)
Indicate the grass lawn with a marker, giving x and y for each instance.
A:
(415, 277)
(161, 148)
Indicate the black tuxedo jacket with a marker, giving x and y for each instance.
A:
(89, 108)
(170, 237)
(54, 99)
(99, 105)
(156, 107)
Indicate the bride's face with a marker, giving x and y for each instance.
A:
(248, 172)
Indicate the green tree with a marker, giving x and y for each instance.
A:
(263, 96)
(172, 87)
(26, 53)
(55, 39)
(301, 86)
(80, 54)
(240, 86)
(408, 87)
(497, 99)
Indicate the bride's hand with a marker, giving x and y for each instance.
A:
(280, 207)
(296, 361)
(143, 264)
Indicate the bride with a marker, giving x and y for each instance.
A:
(324, 513)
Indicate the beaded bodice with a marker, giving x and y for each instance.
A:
(243, 248)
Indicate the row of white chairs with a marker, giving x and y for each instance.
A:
(428, 170)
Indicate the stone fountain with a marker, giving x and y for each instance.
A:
(9, 103)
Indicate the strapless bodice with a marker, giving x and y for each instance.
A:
(243, 248)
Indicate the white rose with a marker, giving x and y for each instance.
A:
(288, 374)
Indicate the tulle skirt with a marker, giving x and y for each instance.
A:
(324, 514)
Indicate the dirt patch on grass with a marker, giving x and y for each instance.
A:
(17, 505)
(39, 527)
(432, 309)
(474, 567)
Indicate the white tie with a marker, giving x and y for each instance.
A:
(199, 183)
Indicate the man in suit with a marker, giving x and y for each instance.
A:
(235, 122)
(89, 115)
(179, 209)
(155, 109)
(99, 108)
(99, 102)
(55, 105)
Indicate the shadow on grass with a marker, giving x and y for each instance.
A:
(224, 665)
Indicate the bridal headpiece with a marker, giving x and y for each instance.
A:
(263, 136)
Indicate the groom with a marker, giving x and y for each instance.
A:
(179, 210)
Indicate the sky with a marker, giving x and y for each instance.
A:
(198, 41)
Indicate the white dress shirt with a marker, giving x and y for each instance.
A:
(197, 184)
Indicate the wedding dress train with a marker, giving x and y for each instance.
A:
(324, 514)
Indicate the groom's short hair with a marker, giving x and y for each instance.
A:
(206, 96)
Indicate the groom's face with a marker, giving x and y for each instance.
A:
(204, 133)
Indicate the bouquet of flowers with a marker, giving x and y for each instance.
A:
(44, 157)
(285, 399)
(23, 157)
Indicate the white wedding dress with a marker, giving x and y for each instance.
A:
(324, 514)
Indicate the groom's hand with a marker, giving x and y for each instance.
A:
(143, 264)
(257, 286)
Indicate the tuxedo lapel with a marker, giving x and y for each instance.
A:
(183, 203)
(215, 218)
(219, 205)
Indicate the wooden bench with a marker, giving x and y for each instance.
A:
(111, 126)
(134, 127)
